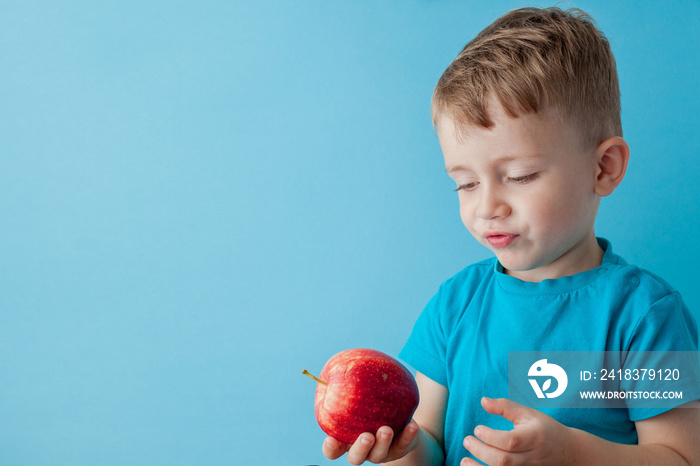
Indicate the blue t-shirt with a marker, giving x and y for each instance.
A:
(462, 338)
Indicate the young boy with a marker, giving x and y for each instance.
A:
(528, 119)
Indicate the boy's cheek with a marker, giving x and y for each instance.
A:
(466, 219)
(466, 211)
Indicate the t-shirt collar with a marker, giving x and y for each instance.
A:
(562, 284)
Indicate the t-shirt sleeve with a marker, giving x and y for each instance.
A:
(666, 338)
(425, 349)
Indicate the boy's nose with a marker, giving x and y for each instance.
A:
(491, 206)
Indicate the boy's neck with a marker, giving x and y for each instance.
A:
(584, 256)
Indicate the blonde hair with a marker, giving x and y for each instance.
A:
(530, 60)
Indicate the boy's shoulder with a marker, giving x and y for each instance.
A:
(639, 281)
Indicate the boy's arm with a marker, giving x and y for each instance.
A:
(671, 438)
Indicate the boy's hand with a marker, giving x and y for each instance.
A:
(374, 448)
(535, 439)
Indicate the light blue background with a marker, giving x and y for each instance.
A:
(201, 199)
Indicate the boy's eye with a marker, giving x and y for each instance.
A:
(523, 179)
(467, 186)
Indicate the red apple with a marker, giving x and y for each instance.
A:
(361, 390)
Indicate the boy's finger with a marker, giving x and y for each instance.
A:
(489, 454)
(333, 449)
(381, 446)
(509, 440)
(407, 437)
(510, 410)
(357, 454)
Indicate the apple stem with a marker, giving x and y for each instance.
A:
(305, 372)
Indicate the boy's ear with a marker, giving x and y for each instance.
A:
(612, 156)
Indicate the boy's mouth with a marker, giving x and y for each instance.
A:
(500, 240)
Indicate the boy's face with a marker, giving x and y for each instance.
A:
(526, 191)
